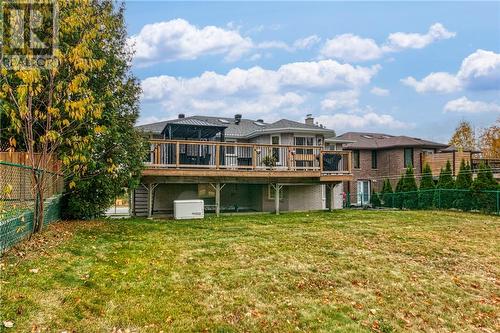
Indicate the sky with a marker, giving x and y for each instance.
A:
(401, 68)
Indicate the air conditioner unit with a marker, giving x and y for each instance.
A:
(189, 209)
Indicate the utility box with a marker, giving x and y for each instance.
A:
(189, 209)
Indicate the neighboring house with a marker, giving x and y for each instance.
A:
(237, 164)
(377, 156)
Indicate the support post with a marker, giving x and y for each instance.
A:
(218, 188)
(150, 200)
(332, 198)
(277, 188)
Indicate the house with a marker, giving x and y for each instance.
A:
(377, 156)
(239, 164)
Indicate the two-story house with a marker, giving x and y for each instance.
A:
(377, 156)
(238, 164)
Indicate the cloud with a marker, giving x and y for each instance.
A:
(478, 71)
(439, 82)
(288, 90)
(400, 40)
(306, 42)
(380, 91)
(464, 105)
(180, 40)
(340, 100)
(353, 48)
(364, 121)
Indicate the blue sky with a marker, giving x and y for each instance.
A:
(394, 67)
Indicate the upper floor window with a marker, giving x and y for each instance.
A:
(304, 141)
(355, 158)
(408, 158)
(374, 159)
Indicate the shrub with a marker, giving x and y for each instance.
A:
(443, 197)
(387, 194)
(375, 199)
(484, 201)
(463, 197)
(426, 193)
(398, 196)
(409, 189)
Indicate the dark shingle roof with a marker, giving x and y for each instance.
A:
(384, 141)
(247, 128)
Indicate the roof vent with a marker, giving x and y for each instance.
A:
(258, 123)
(181, 116)
(237, 118)
(260, 120)
(224, 121)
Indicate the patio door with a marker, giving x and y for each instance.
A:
(363, 191)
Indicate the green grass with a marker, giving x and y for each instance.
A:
(347, 271)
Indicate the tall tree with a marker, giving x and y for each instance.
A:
(483, 186)
(443, 197)
(387, 193)
(426, 190)
(409, 189)
(117, 152)
(464, 137)
(489, 141)
(61, 111)
(463, 199)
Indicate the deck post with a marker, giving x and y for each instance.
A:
(218, 188)
(150, 200)
(332, 197)
(277, 188)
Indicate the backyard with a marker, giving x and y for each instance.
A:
(346, 271)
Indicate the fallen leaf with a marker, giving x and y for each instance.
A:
(34, 270)
(8, 324)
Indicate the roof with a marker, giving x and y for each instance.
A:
(247, 128)
(364, 140)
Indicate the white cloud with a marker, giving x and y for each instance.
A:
(365, 121)
(464, 105)
(479, 71)
(440, 82)
(306, 42)
(350, 47)
(400, 40)
(380, 91)
(255, 91)
(180, 40)
(340, 100)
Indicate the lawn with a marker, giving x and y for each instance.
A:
(346, 271)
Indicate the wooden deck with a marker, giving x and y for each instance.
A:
(194, 161)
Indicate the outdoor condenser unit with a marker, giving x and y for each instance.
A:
(188, 209)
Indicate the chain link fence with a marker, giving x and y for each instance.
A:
(485, 201)
(18, 201)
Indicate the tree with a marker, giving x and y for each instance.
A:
(117, 152)
(398, 196)
(375, 199)
(387, 193)
(464, 137)
(426, 190)
(443, 197)
(489, 141)
(60, 111)
(409, 189)
(463, 199)
(483, 200)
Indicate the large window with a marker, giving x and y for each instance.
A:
(374, 159)
(271, 192)
(304, 141)
(355, 157)
(408, 157)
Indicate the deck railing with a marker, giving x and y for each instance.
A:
(245, 156)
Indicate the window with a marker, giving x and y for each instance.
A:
(276, 140)
(374, 159)
(355, 157)
(304, 141)
(408, 157)
(271, 192)
(363, 192)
